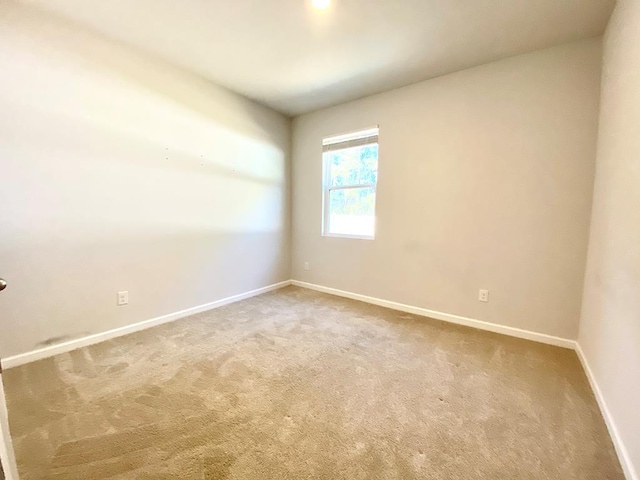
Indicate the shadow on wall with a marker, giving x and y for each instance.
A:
(67, 289)
(120, 172)
(73, 53)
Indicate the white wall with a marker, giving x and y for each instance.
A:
(119, 172)
(485, 181)
(610, 325)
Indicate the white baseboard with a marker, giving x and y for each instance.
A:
(623, 454)
(17, 360)
(64, 347)
(447, 317)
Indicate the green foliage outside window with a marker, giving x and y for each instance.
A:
(353, 166)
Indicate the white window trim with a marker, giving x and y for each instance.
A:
(326, 182)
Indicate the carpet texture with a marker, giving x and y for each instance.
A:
(295, 384)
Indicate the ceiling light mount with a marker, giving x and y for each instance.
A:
(321, 4)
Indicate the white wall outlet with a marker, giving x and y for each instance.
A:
(306, 265)
(123, 298)
(483, 295)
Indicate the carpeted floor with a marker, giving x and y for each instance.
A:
(298, 385)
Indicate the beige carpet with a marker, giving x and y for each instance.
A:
(299, 385)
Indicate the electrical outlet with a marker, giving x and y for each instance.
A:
(123, 298)
(306, 265)
(483, 295)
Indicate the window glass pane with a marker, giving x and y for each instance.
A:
(353, 166)
(352, 211)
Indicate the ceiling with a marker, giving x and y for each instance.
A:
(295, 59)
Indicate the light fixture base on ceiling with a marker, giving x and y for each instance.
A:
(321, 4)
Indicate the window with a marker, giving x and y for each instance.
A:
(350, 165)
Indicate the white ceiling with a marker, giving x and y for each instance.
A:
(295, 59)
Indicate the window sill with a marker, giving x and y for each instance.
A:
(344, 235)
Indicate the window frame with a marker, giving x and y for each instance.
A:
(360, 134)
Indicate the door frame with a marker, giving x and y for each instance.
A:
(7, 455)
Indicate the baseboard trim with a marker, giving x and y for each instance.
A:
(446, 317)
(34, 355)
(22, 359)
(623, 455)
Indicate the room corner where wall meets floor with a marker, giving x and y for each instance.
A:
(299, 383)
(485, 181)
(610, 328)
(123, 172)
